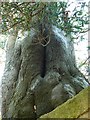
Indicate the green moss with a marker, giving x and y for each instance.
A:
(73, 108)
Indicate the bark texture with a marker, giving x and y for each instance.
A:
(38, 78)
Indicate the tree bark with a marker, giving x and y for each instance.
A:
(39, 77)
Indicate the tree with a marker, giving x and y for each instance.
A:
(40, 70)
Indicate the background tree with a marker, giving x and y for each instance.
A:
(40, 70)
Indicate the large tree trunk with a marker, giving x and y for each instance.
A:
(37, 77)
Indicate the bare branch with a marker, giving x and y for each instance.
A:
(13, 25)
(84, 62)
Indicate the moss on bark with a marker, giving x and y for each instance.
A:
(73, 108)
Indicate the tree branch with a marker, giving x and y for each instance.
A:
(84, 62)
(13, 26)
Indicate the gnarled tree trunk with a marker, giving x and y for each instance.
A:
(37, 77)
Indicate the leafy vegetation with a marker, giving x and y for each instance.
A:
(20, 16)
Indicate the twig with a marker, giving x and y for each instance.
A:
(84, 62)
(13, 25)
(37, 12)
